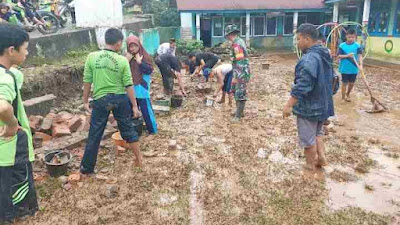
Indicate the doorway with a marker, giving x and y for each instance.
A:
(205, 31)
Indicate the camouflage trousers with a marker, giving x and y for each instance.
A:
(242, 74)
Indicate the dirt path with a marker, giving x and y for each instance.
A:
(246, 173)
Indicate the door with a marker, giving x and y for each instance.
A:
(205, 31)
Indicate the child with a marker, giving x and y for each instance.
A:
(5, 13)
(347, 52)
(17, 191)
(241, 69)
(224, 75)
(170, 67)
(112, 82)
(142, 68)
(311, 96)
(204, 62)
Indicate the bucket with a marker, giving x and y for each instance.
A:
(117, 139)
(138, 123)
(57, 162)
(176, 101)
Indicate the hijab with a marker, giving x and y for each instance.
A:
(137, 74)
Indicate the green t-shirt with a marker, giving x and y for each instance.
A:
(7, 92)
(109, 73)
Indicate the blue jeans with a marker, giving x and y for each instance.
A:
(101, 108)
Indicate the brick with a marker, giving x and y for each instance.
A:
(74, 123)
(85, 123)
(60, 130)
(35, 122)
(47, 123)
(40, 105)
(44, 136)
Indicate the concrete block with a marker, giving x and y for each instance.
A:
(40, 105)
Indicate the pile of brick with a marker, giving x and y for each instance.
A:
(56, 126)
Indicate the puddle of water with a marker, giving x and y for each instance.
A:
(385, 181)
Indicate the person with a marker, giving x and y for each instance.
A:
(17, 190)
(167, 48)
(241, 69)
(170, 67)
(142, 68)
(311, 96)
(347, 52)
(224, 76)
(5, 13)
(204, 62)
(112, 82)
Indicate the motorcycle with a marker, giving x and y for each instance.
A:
(51, 22)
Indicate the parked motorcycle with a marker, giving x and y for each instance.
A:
(52, 24)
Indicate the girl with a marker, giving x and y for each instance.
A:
(141, 68)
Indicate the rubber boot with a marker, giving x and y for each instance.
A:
(242, 105)
(239, 110)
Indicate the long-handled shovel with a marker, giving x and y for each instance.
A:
(377, 105)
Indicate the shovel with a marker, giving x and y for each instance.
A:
(377, 105)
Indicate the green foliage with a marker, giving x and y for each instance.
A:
(170, 18)
(187, 46)
(154, 7)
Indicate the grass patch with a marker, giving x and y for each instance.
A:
(355, 216)
(392, 155)
(365, 165)
(47, 188)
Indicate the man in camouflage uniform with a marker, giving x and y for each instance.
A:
(241, 69)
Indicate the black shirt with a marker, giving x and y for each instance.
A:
(206, 57)
(172, 61)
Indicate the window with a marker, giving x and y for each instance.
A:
(288, 24)
(271, 25)
(396, 29)
(218, 27)
(302, 19)
(259, 26)
(232, 21)
(243, 29)
(379, 17)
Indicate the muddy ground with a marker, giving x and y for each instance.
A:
(245, 173)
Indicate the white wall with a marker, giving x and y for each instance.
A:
(98, 13)
(186, 20)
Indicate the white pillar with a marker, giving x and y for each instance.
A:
(335, 18)
(392, 18)
(367, 8)
(248, 29)
(198, 26)
(295, 21)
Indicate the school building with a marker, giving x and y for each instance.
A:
(270, 23)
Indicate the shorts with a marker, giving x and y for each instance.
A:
(349, 78)
(308, 131)
(228, 82)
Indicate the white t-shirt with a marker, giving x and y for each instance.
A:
(165, 48)
(225, 68)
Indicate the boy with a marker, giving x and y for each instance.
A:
(347, 52)
(17, 190)
(241, 69)
(311, 96)
(204, 62)
(5, 13)
(224, 75)
(111, 77)
(167, 48)
(170, 67)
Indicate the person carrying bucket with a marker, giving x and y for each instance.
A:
(141, 69)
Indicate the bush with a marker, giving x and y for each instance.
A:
(170, 18)
(185, 47)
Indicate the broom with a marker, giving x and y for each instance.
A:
(377, 105)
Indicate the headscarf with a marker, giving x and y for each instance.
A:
(137, 74)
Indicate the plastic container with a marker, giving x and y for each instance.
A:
(138, 123)
(117, 139)
(176, 101)
(59, 168)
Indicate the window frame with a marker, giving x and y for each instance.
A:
(378, 21)
(213, 23)
(276, 27)
(284, 24)
(254, 26)
(397, 21)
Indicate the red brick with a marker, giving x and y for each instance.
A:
(45, 137)
(74, 123)
(60, 130)
(35, 122)
(85, 123)
(47, 123)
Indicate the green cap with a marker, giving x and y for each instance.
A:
(231, 28)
